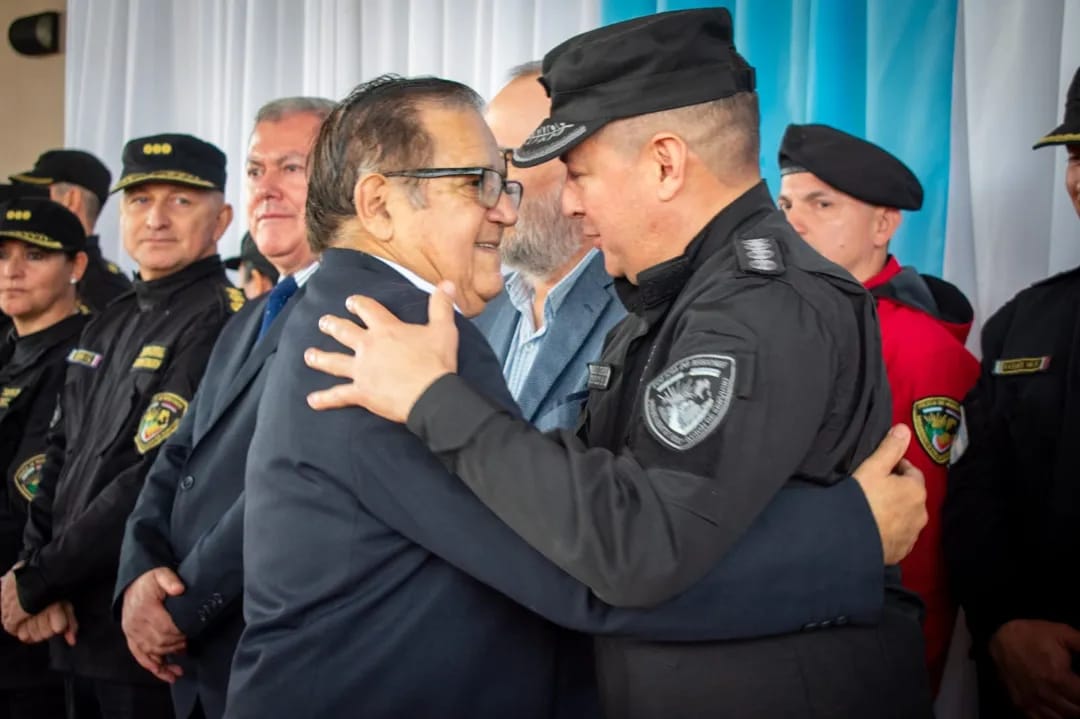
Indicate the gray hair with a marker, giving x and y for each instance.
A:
(525, 69)
(90, 200)
(277, 110)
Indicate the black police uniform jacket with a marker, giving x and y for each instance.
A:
(747, 364)
(1012, 510)
(103, 280)
(128, 385)
(377, 585)
(189, 516)
(31, 378)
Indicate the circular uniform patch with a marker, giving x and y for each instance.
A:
(936, 421)
(160, 420)
(689, 399)
(28, 476)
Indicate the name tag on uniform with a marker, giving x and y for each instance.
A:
(150, 357)
(599, 376)
(85, 357)
(1021, 365)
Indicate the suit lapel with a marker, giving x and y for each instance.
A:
(581, 310)
(251, 362)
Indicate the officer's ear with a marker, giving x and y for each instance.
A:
(886, 223)
(223, 220)
(666, 155)
(371, 200)
(78, 265)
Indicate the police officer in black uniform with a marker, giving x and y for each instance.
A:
(9, 193)
(1012, 511)
(40, 232)
(128, 385)
(80, 182)
(747, 363)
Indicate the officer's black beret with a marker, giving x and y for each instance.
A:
(173, 159)
(74, 166)
(1067, 132)
(44, 223)
(249, 253)
(850, 164)
(658, 62)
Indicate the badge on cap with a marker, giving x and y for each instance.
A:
(689, 399)
(936, 421)
(18, 215)
(28, 476)
(160, 420)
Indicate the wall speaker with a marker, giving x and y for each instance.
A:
(36, 34)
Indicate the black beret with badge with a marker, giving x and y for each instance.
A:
(1068, 132)
(74, 166)
(851, 165)
(654, 63)
(172, 159)
(43, 223)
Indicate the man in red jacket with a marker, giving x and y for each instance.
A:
(844, 196)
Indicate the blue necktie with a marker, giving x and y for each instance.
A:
(279, 297)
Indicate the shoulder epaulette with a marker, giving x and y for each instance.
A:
(760, 255)
(234, 298)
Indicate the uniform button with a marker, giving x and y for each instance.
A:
(186, 482)
(841, 621)
(810, 626)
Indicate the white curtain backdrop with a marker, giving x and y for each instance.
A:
(204, 67)
(1010, 222)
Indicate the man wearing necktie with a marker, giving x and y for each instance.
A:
(180, 570)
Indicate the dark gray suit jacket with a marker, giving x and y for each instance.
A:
(189, 516)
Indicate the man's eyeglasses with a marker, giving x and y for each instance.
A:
(491, 183)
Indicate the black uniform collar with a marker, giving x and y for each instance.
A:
(29, 348)
(663, 282)
(93, 241)
(155, 292)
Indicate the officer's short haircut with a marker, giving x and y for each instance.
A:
(525, 69)
(283, 107)
(90, 200)
(377, 128)
(724, 133)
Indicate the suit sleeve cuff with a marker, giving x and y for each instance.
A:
(35, 594)
(448, 414)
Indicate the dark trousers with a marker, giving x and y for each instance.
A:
(45, 702)
(100, 699)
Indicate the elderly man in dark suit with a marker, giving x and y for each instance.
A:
(180, 582)
(559, 303)
(375, 583)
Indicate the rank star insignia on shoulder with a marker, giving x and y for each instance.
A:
(689, 399)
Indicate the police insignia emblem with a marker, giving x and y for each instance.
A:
(8, 395)
(28, 476)
(689, 399)
(160, 420)
(936, 421)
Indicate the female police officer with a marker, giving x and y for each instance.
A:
(42, 257)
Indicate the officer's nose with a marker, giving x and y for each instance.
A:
(157, 216)
(795, 219)
(572, 205)
(12, 267)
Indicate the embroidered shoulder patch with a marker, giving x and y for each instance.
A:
(936, 421)
(85, 358)
(150, 357)
(235, 297)
(1022, 365)
(160, 420)
(28, 476)
(8, 395)
(689, 399)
